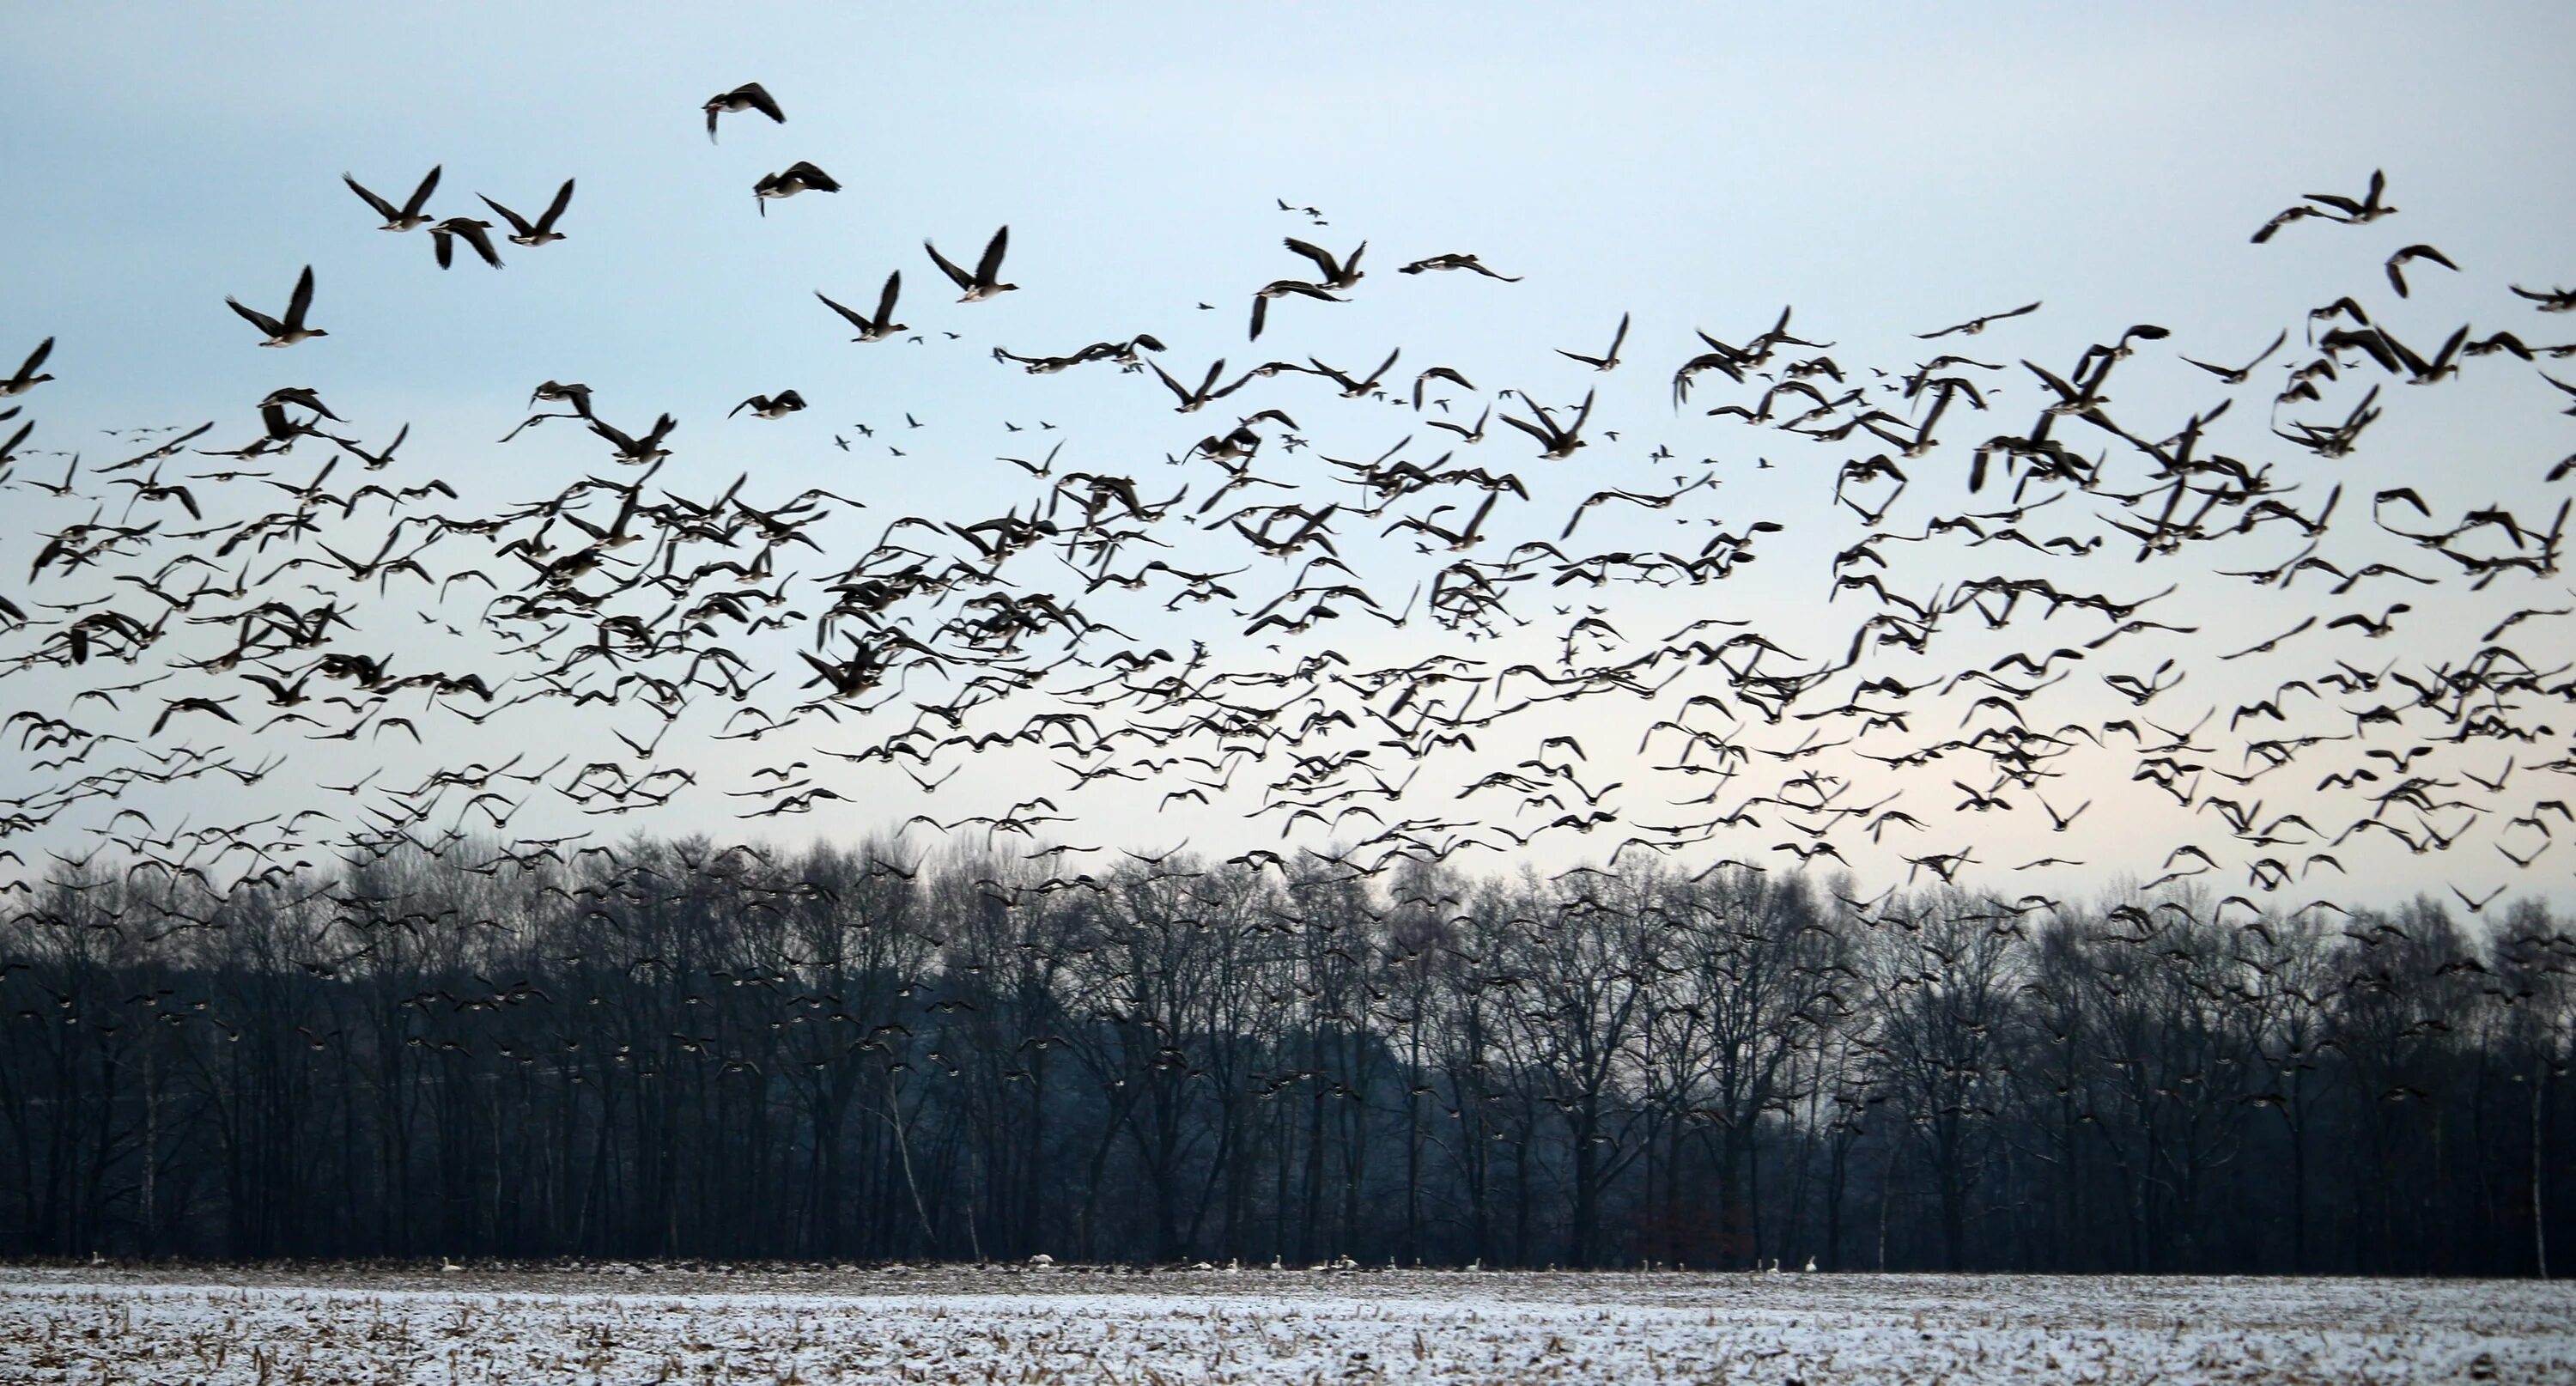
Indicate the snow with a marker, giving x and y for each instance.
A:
(626, 1323)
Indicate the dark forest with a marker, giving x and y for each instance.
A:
(663, 1049)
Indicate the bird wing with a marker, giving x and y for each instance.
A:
(258, 319)
(964, 280)
(761, 101)
(420, 195)
(301, 300)
(855, 319)
(517, 222)
(554, 209)
(885, 300)
(1324, 262)
(383, 208)
(989, 269)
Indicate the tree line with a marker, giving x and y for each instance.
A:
(664, 1049)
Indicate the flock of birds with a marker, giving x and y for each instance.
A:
(275, 610)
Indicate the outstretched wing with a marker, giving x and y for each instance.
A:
(302, 299)
(420, 195)
(946, 267)
(554, 209)
(989, 269)
(517, 222)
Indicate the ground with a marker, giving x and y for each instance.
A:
(637, 1323)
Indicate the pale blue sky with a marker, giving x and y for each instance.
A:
(1886, 169)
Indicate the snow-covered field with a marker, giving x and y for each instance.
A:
(638, 1324)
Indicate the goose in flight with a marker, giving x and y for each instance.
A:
(1973, 326)
(542, 230)
(1607, 361)
(750, 96)
(1355, 389)
(777, 406)
(2368, 208)
(1281, 288)
(2398, 262)
(407, 217)
(2237, 375)
(883, 325)
(1554, 442)
(637, 450)
(797, 177)
(292, 329)
(1191, 400)
(26, 379)
(1337, 274)
(444, 235)
(1456, 260)
(985, 282)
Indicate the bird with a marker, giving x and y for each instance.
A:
(444, 235)
(2408, 255)
(883, 325)
(1282, 288)
(637, 451)
(2237, 375)
(1456, 260)
(797, 177)
(26, 379)
(2368, 209)
(407, 217)
(1554, 442)
(1973, 326)
(985, 282)
(292, 329)
(541, 231)
(1337, 274)
(750, 96)
(1608, 360)
(777, 406)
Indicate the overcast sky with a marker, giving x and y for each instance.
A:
(1885, 169)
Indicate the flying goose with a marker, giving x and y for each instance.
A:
(1607, 361)
(883, 325)
(26, 379)
(798, 177)
(777, 406)
(1354, 389)
(2398, 262)
(2368, 209)
(1281, 288)
(750, 96)
(292, 330)
(1456, 260)
(637, 450)
(407, 217)
(1191, 399)
(985, 282)
(443, 237)
(1555, 442)
(1338, 274)
(1973, 326)
(542, 230)
(2237, 375)
(1438, 373)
